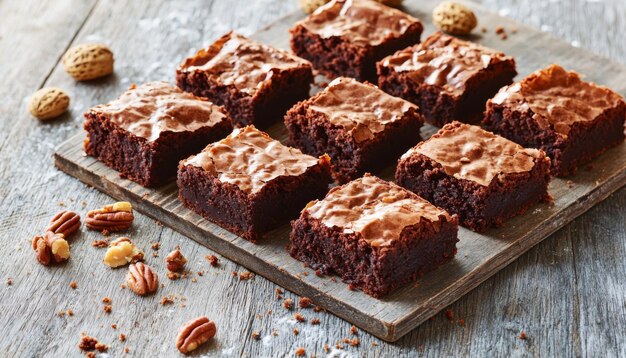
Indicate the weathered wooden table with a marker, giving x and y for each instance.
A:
(568, 294)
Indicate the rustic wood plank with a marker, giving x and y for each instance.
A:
(480, 256)
(538, 293)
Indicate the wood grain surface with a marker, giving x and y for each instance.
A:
(480, 255)
(567, 293)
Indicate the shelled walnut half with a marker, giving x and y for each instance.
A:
(121, 252)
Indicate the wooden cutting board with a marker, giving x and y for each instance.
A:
(479, 255)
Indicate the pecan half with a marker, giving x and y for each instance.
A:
(142, 279)
(51, 248)
(175, 261)
(194, 333)
(113, 217)
(65, 222)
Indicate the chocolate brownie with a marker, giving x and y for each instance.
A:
(571, 120)
(360, 127)
(374, 234)
(483, 178)
(347, 37)
(448, 78)
(256, 83)
(145, 132)
(249, 183)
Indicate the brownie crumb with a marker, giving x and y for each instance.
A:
(319, 273)
(173, 276)
(156, 246)
(101, 347)
(304, 302)
(299, 317)
(213, 260)
(73, 285)
(450, 315)
(279, 294)
(105, 232)
(523, 336)
(288, 303)
(326, 348)
(107, 309)
(354, 342)
(87, 343)
(100, 243)
(300, 352)
(315, 321)
(122, 337)
(245, 276)
(351, 287)
(499, 30)
(374, 344)
(9, 281)
(90, 355)
(296, 332)
(126, 350)
(353, 330)
(317, 309)
(256, 335)
(166, 300)
(461, 322)
(570, 184)
(106, 300)
(483, 30)
(70, 312)
(114, 326)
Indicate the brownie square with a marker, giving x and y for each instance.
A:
(249, 183)
(347, 37)
(448, 78)
(359, 126)
(552, 109)
(145, 132)
(256, 83)
(374, 234)
(483, 178)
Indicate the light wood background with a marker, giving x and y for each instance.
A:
(568, 294)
